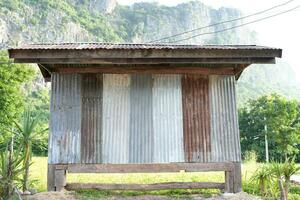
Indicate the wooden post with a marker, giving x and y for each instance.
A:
(229, 181)
(60, 179)
(237, 183)
(51, 177)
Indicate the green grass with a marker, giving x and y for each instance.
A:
(39, 176)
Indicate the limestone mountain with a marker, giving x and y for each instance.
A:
(48, 21)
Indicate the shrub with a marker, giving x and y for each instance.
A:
(250, 157)
(10, 172)
(276, 172)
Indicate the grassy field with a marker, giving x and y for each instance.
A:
(39, 174)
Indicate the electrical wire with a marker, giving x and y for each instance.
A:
(234, 27)
(223, 22)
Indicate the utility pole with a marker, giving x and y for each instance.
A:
(266, 141)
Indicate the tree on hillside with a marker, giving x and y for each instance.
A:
(13, 77)
(280, 116)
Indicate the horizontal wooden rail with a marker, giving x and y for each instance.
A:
(57, 176)
(146, 168)
(156, 186)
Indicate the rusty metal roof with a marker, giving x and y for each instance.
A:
(141, 57)
(86, 46)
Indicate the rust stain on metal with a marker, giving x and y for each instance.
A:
(91, 121)
(196, 118)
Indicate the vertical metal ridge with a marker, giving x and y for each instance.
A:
(141, 122)
(196, 118)
(167, 119)
(64, 144)
(116, 112)
(91, 119)
(224, 126)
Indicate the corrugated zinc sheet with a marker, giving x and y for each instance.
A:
(196, 119)
(141, 121)
(224, 124)
(65, 120)
(167, 119)
(91, 118)
(116, 110)
(80, 46)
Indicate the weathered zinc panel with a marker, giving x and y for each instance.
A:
(224, 124)
(167, 119)
(116, 109)
(91, 118)
(141, 121)
(65, 120)
(196, 119)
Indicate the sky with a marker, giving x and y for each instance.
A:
(281, 32)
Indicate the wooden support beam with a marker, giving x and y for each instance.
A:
(156, 186)
(229, 179)
(138, 61)
(232, 175)
(148, 70)
(51, 177)
(237, 181)
(147, 168)
(143, 53)
(60, 179)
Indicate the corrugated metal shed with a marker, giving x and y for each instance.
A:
(196, 118)
(224, 124)
(91, 118)
(141, 121)
(143, 103)
(167, 119)
(125, 118)
(116, 118)
(65, 120)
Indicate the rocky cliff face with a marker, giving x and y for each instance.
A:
(148, 21)
(96, 6)
(104, 20)
(44, 21)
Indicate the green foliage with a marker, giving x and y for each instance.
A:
(282, 173)
(26, 133)
(262, 176)
(10, 172)
(250, 157)
(282, 119)
(12, 79)
(289, 168)
(39, 102)
(275, 178)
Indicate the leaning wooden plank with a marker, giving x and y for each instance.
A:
(156, 186)
(149, 168)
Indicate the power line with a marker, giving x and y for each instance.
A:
(222, 22)
(233, 27)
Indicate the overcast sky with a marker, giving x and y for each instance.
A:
(282, 31)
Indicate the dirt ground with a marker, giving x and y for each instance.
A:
(71, 196)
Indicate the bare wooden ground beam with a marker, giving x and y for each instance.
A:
(156, 186)
(146, 168)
